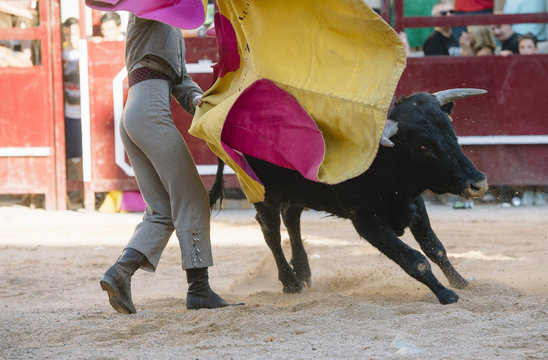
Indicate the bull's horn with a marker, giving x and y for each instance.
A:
(390, 129)
(447, 96)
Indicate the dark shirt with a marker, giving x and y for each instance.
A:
(437, 44)
(512, 43)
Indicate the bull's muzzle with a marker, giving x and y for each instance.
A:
(475, 189)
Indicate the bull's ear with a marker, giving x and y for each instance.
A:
(390, 129)
(448, 108)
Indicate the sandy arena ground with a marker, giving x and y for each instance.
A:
(360, 306)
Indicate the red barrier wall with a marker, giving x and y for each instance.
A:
(32, 144)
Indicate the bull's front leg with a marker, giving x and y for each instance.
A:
(268, 216)
(291, 216)
(432, 246)
(380, 235)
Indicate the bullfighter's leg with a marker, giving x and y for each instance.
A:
(291, 216)
(380, 235)
(268, 216)
(432, 247)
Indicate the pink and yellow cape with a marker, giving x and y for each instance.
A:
(303, 84)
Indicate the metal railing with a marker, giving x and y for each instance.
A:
(401, 22)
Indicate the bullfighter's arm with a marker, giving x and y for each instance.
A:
(186, 92)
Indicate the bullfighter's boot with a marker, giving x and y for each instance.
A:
(117, 280)
(200, 295)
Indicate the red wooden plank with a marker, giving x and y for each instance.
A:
(401, 22)
(477, 19)
(22, 125)
(34, 33)
(523, 165)
(105, 61)
(29, 116)
(57, 104)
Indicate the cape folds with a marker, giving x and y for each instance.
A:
(303, 84)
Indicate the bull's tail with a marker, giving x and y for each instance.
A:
(216, 193)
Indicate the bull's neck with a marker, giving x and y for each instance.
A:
(396, 177)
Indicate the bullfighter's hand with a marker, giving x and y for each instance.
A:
(197, 101)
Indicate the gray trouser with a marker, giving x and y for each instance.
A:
(175, 196)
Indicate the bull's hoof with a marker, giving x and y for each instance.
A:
(447, 296)
(305, 278)
(302, 271)
(293, 287)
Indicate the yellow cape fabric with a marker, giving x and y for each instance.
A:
(338, 58)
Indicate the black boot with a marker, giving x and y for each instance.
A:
(117, 280)
(200, 295)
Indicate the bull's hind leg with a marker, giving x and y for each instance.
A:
(372, 228)
(268, 216)
(432, 247)
(291, 216)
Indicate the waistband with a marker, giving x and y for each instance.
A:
(143, 73)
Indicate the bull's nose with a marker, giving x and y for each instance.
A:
(475, 189)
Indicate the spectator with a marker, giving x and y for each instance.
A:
(526, 7)
(508, 39)
(527, 44)
(498, 6)
(71, 92)
(478, 40)
(111, 27)
(17, 14)
(416, 36)
(441, 41)
(469, 7)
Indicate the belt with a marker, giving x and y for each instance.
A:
(144, 73)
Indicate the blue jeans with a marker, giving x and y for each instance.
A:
(73, 137)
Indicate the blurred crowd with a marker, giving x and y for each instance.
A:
(477, 40)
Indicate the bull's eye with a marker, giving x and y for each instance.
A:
(425, 150)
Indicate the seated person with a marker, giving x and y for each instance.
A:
(470, 7)
(111, 27)
(527, 44)
(527, 7)
(478, 40)
(441, 41)
(508, 38)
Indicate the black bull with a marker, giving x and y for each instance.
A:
(421, 153)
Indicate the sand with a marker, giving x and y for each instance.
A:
(360, 305)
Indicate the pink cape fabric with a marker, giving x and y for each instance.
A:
(184, 14)
(132, 201)
(269, 124)
(227, 46)
(265, 122)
